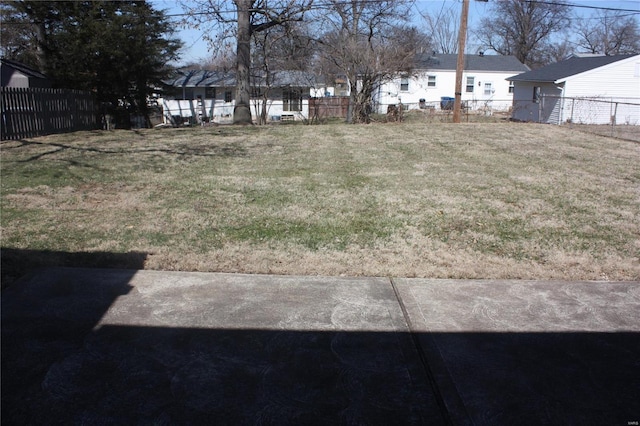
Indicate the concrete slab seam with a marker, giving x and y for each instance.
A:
(423, 358)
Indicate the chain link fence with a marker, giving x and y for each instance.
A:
(613, 117)
(442, 111)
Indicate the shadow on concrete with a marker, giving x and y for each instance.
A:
(133, 375)
(15, 263)
(42, 325)
(63, 363)
(536, 378)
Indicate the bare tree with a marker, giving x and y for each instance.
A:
(608, 33)
(368, 44)
(241, 19)
(224, 60)
(443, 28)
(291, 46)
(284, 48)
(558, 50)
(521, 28)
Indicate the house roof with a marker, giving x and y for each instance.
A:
(28, 71)
(449, 62)
(203, 78)
(567, 68)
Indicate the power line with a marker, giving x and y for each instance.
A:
(583, 6)
(326, 5)
(588, 18)
(321, 6)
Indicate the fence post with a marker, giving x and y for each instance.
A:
(3, 118)
(614, 118)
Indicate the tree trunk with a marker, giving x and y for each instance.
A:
(242, 110)
(263, 111)
(41, 34)
(361, 100)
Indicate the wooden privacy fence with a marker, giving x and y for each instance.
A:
(31, 112)
(328, 107)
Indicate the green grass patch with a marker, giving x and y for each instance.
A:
(476, 200)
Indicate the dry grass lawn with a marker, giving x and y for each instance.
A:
(492, 200)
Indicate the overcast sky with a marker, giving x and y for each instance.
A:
(195, 48)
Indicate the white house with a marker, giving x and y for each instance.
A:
(484, 84)
(587, 89)
(209, 96)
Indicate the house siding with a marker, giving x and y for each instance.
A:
(11, 76)
(617, 82)
(498, 99)
(547, 106)
(217, 110)
(605, 95)
(199, 96)
(551, 105)
(18, 80)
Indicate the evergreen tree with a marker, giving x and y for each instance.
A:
(118, 50)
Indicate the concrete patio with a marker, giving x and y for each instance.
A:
(98, 346)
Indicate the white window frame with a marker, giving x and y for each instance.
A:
(470, 85)
(431, 81)
(488, 88)
(404, 84)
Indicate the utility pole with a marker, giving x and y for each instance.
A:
(462, 38)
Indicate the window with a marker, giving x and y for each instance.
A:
(176, 93)
(536, 94)
(431, 81)
(511, 87)
(256, 93)
(470, 84)
(291, 100)
(488, 89)
(404, 84)
(228, 96)
(210, 92)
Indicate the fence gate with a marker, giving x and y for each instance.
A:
(328, 107)
(31, 112)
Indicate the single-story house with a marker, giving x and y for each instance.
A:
(582, 89)
(209, 96)
(484, 84)
(15, 74)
